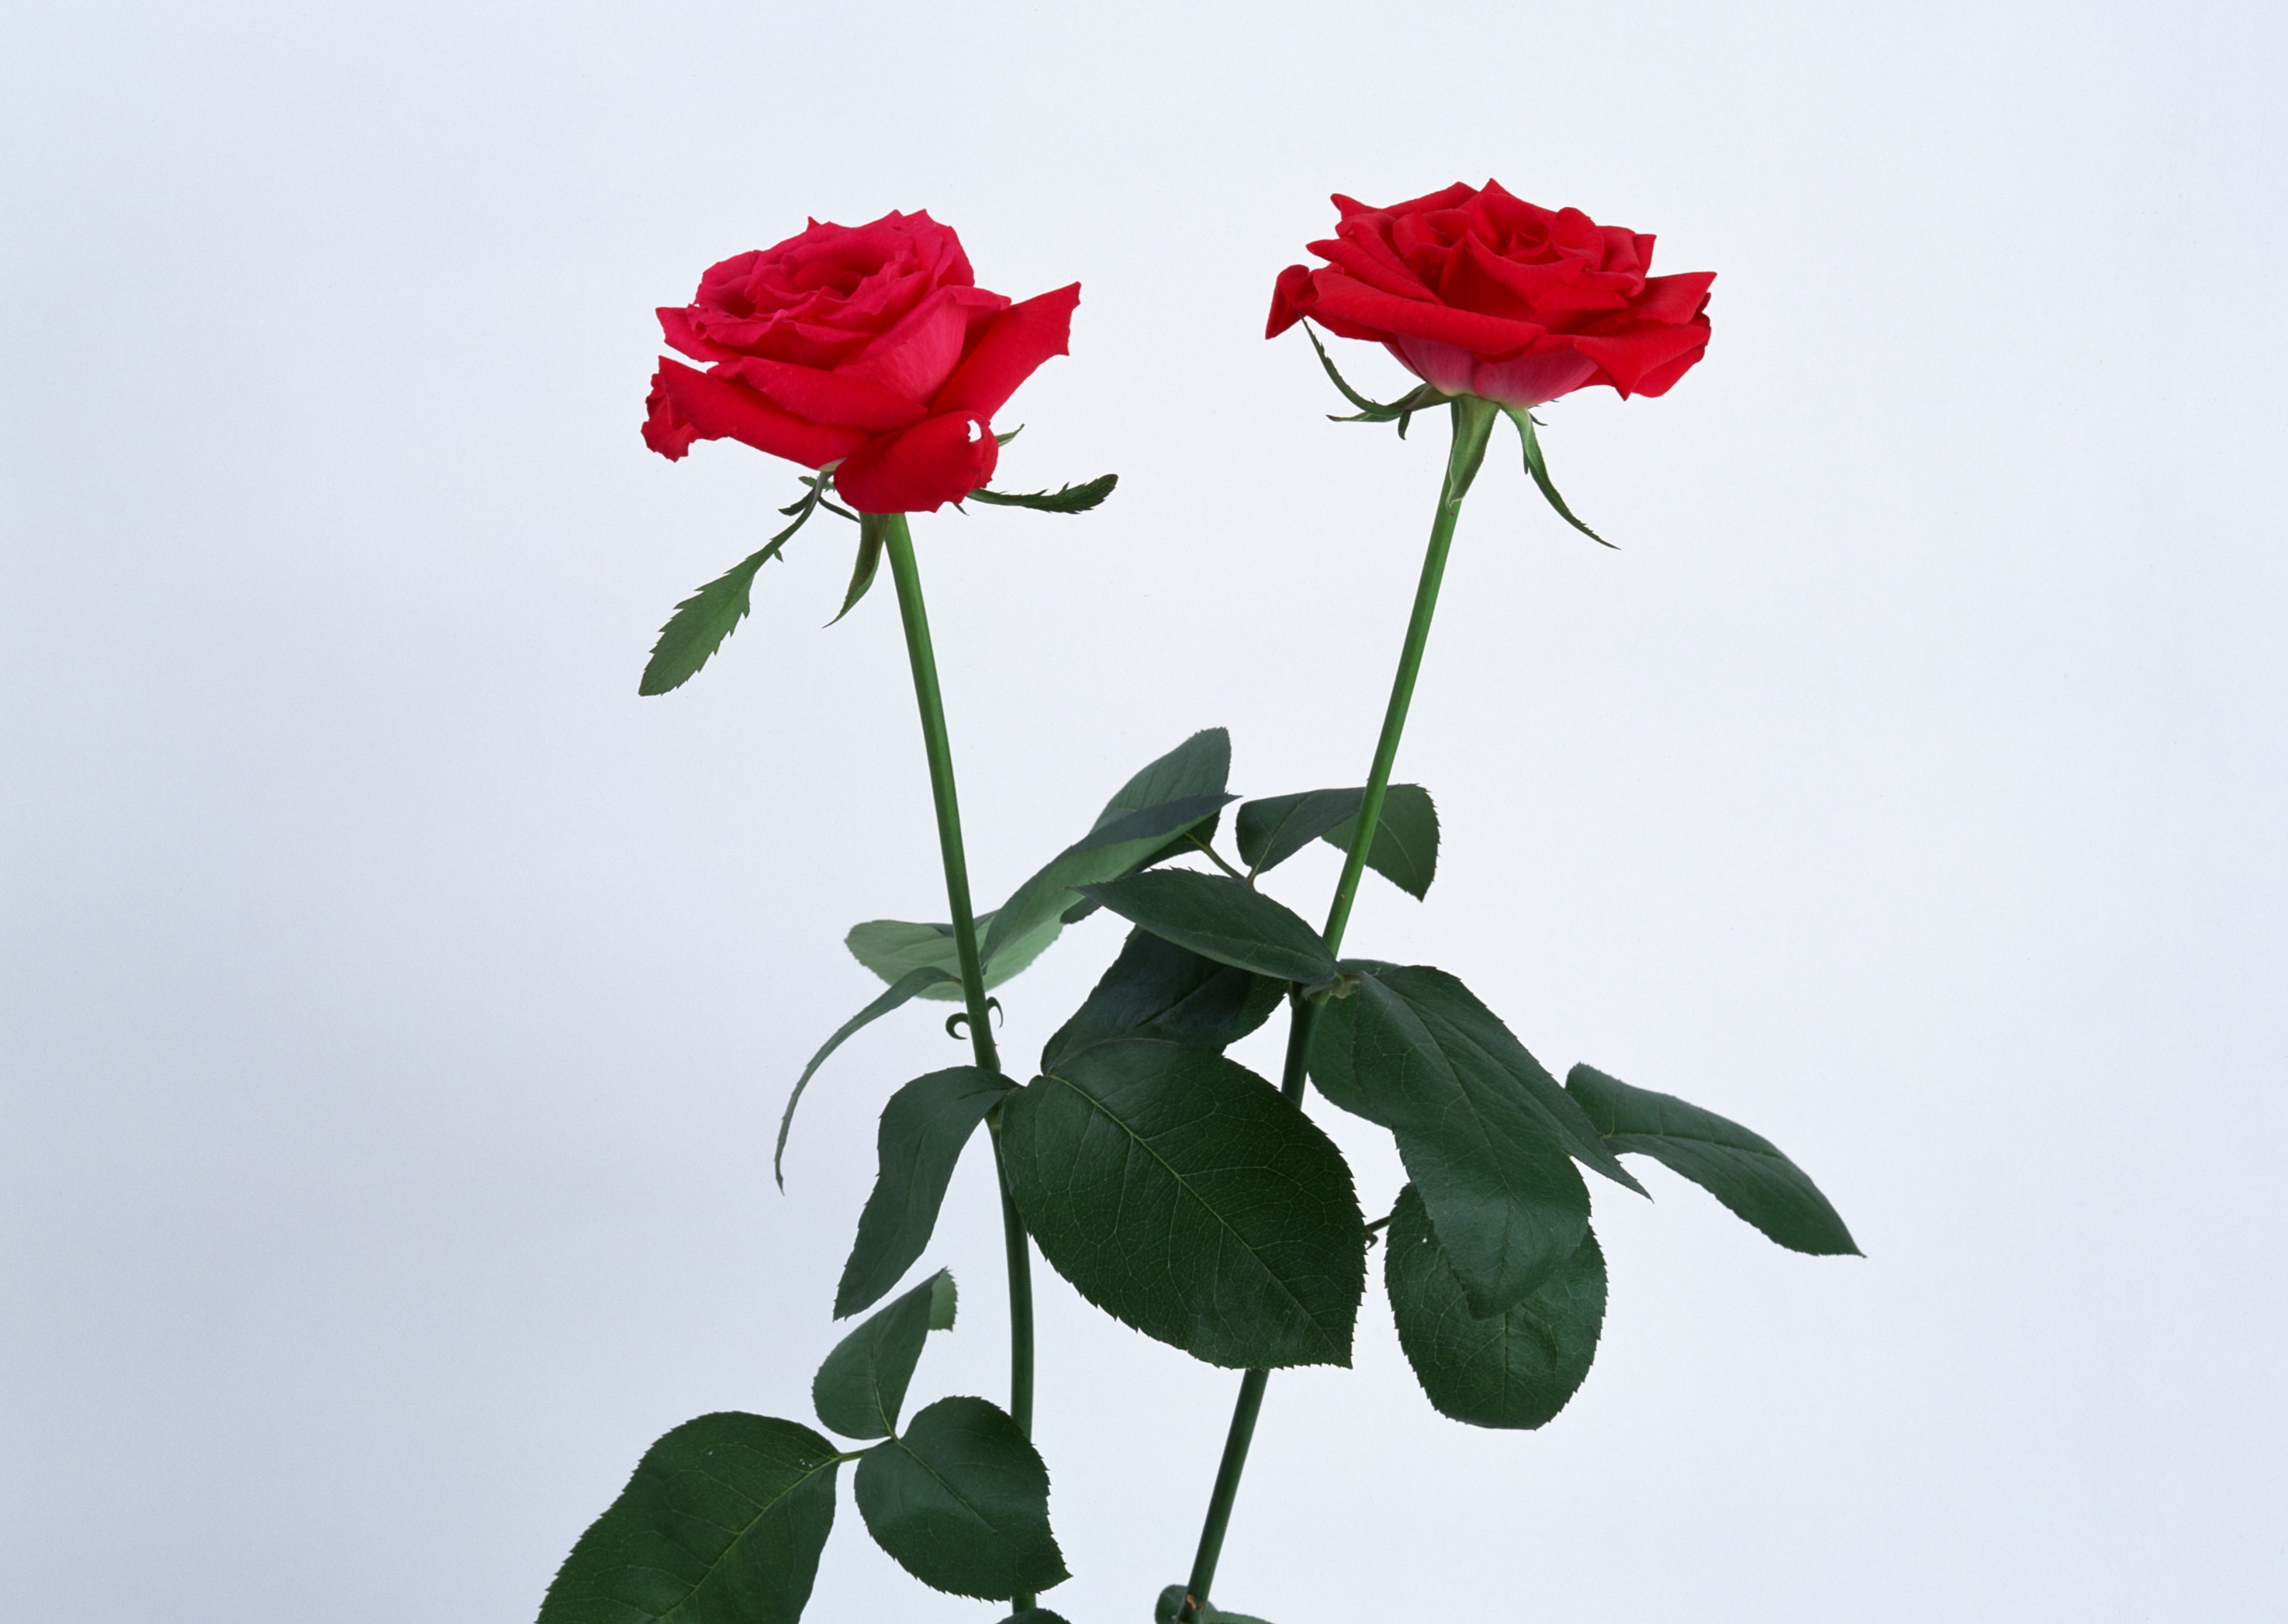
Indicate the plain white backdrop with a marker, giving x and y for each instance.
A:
(397, 1010)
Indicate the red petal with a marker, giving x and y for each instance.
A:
(1660, 379)
(834, 398)
(939, 460)
(1290, 300)
(1345, 298)
(1674, 298)
(1630, 358)
(688, 405)
(1012, 349)
(913, 359)
(675, 321)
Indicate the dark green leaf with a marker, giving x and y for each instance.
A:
(1515, 1369)
(1272, 829)
(962, 1502)
(1539, 469)
(1224, 920)
(1183, 1195)
(1486, 1134)
(1405, 850)
(859, 1389)
(913, 983)
(1108, 851)
(924, 1128)
(701, 623)
(869, 558)
(1742, 1169)
(1034, 1615)
(1171, 1605)
(1156, 989)
(1199, 765)
(1064, 499)
(722, 1523)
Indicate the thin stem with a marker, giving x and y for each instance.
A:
(1216, 858)
(898, 542)
(1474, 420)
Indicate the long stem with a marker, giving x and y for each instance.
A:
(899, 541)
(1474, 420)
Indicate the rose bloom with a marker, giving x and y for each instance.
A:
(871, 348)
(1478, 292)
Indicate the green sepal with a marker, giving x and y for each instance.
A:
(701, 622)
(1064, 499)
(924, 1126)
(913, 984)
(871, 528)
(1515, 1369)
(1398, 411)
(960, 1499)
(1539, 469)
(724, 1520)
(861, 1386)
(1226, 920)
(1742, 1169)
(1187, 1197)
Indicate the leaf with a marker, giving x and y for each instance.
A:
(1156, 989)
(860, 1387)
(893, 948)
(722, 1523)
(1183, 1195)
(1516, 1369)
(962, 1502)
(869, 560)
(1064, 499)
(1108, 852)
(1405, 850)
(1200, 766)
(1486, 1136)
(1034, 1615)
(1742, 1169)
(916, 982)
(701, 623)
(1539, 469)
(1224, 920)
(924, 1128)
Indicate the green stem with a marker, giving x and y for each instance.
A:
(1473, 422)
(898, 542)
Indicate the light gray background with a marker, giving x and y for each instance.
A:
(397, 1010)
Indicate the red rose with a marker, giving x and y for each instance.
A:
(868, 346)
(1481, 293)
